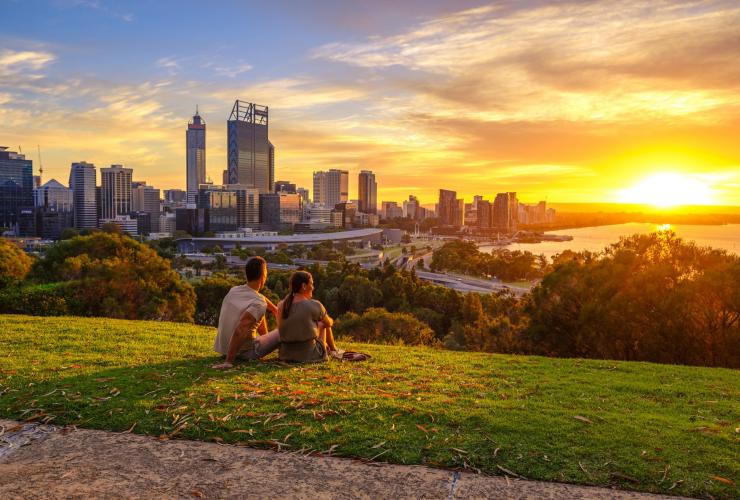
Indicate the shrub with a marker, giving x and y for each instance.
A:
(376, 325)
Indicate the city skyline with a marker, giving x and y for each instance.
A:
(639, 99)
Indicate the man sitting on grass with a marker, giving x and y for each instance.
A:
(243, 316)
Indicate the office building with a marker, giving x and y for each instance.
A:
(82, 182)
(193, 221)
(291, 208)
(175, 196)
(390, 210)
(221, 208)
(270, 211)
(513, 211)
(115, 191)
(53, 195)
(319, 213)
(195, 156)
(146, 199)
(484, 215)
(367, 190)
(16, 187)
(285, 187)
(251, 155)
(167, 224)
(54, 209)
(126, 223)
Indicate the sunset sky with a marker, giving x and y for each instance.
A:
(576, 101)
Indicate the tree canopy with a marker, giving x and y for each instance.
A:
(113, 275)
(14, 263)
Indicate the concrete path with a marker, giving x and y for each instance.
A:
(43, 461)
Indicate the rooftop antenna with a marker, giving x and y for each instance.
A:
(41, 165)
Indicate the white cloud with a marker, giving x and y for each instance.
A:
(13, 62)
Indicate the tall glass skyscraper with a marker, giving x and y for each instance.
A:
(251, 155)
(16, 186)
(195, 156)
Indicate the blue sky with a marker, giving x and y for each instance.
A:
(569, 100)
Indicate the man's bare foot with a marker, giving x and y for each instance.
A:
(223, 366)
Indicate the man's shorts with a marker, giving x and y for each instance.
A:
(261, 346)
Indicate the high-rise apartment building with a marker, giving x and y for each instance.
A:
(82, 182)
(484, 214)
(367, 192)
(195, 156)
(251, 155)
(331, 187)
(270, 212)
(115, 191)
(16, 186)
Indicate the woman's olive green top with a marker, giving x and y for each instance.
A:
(299, 333)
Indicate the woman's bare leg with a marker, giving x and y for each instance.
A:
(327, 337)
(330, 339)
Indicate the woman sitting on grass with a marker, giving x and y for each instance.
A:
(304, 325)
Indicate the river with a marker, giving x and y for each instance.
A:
(597, 238)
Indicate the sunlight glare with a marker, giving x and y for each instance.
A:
(668, 190)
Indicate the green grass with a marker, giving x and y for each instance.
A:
(641, 426)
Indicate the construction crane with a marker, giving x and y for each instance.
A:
(41, 165)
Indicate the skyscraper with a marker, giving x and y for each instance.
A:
(85, 206)
(285, 187)
(115, 191)
(195, 156)
(251, 155)
(367, 192)
(16, 186)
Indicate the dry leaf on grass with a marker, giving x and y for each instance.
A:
(583, 419)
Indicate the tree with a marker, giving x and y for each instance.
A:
(69, 232)
(14, 263)
(647, 298)
(115, 276)
(358, 293)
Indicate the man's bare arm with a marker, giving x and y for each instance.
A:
(271, 307)
(241, 334)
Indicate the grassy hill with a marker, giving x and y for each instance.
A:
(641, 426)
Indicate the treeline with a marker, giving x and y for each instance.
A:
(649, 298)
(464, 257)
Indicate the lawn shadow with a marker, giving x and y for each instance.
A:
(117, 398)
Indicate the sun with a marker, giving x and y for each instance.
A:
(668, 189)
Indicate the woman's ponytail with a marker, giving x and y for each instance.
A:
(297, 280)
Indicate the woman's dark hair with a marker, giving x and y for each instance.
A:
(297, 280)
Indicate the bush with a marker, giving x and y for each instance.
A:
(376, 325)
(14, 263)
(112, 275)
(36, 300)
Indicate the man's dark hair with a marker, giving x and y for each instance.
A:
(254, 267)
